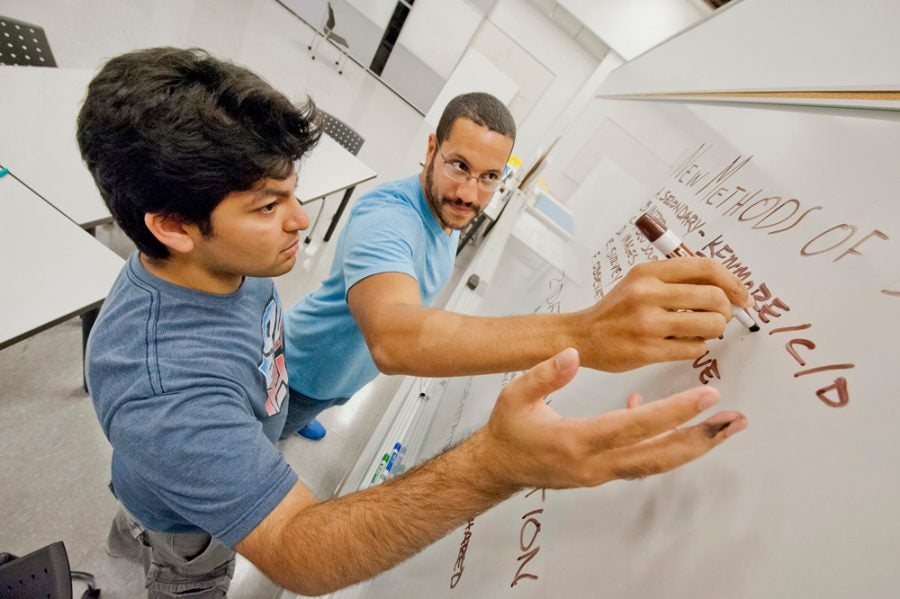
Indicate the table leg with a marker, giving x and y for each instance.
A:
(87, 323)
(337, 215)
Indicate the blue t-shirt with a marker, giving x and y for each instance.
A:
(390, 229)
(190, 390)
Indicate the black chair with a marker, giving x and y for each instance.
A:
(327, 33)
(42, 573)
(24, 44)
(352, 141)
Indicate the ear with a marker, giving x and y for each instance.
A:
(171, 232)
(432, 148)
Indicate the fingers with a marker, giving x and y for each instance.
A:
(641, 422)
(634, 400)
(685, 349)
(705, 325)
(545, 378)
(697, 298)
(674, 349)
(675, 448)
(529, 444)
(699, 271)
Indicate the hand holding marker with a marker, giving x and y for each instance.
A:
(668, 243)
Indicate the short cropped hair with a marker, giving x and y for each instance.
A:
(174, 131)
(481, 108)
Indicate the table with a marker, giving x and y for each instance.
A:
(38, 115)
(51, 268)
(328, 169)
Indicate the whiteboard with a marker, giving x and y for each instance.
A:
(801, 202)
(763, 45)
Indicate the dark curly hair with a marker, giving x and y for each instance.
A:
(173, 131)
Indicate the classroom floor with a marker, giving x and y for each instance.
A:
(54, 459)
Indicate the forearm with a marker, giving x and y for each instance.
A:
(313, 548)
(659, 312)
(334, 544)
(437, 343)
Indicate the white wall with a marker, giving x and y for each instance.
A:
(530, 75)
(377, 11)
(631, 27)
(313, 12)
(554, 73)
(757, 46)
(569, 163)
(437, 33)
(473, 73)
(570, 64)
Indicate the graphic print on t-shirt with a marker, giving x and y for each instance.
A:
(272, 364)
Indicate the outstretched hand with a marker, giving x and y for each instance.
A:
(530, 445)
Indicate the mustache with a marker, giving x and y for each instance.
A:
(459, 203)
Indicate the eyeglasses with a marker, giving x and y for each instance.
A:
(458, 171)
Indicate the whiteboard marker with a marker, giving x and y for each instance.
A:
(396, 457)
(668, 243)
(384, 460)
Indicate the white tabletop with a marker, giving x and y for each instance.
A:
(51, 268)
(329, 168)
(38, 112)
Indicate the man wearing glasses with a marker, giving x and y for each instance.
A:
(397, 252)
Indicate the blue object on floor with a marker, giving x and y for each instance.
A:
(3, 171)
(312, 431)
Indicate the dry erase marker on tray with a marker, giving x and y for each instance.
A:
(394, 460)
(668, 243)
(381, 465)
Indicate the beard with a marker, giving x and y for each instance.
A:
(439, 203)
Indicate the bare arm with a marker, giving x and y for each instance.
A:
(314, 548)
(659, 312)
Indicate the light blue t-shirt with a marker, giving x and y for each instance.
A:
(390, 229)
(190, 390)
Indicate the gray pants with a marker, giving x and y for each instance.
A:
(190, 564)
(302, 409)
